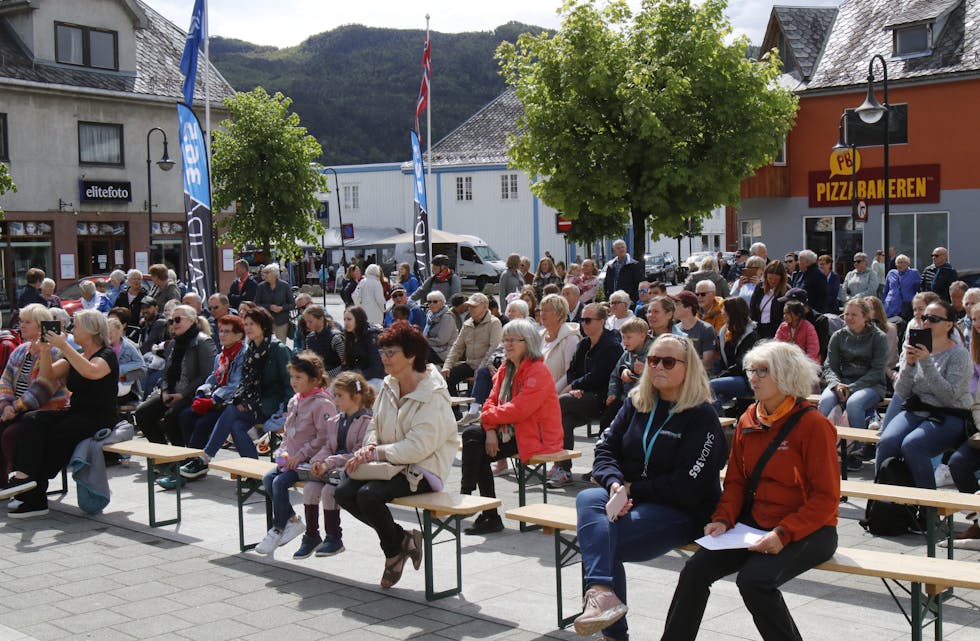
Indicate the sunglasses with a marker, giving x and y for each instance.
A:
(398, 294)
(669, 362)
(586, 320)
(177, 320)
(932, 318)
(858, 260)
(301, 309)
(702, 294)
(936, 255)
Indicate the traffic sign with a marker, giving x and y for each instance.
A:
(347, 231)
(861, 212)
(562, 225)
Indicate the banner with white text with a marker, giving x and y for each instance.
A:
(197, 204)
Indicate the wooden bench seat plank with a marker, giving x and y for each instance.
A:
(558, 517)
(247, 468)
(554, 457)
(942, 499)
(443, 504)
(727, 422)
(944, 573)
(157, 452)
(857, 434)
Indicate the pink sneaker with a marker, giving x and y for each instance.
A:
(601, 609)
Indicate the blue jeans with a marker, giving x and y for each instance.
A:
(236, 423)
(894, 407)
(195, 427)
(859, 405)
(917, 439)
(727, 388)
(963, 466)
(646, 532)
(482, 385)
(277, 486)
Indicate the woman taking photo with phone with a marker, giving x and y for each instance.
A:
(935, 384)
(657, 469)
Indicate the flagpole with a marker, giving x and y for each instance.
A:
(428, 108)
(207, 84)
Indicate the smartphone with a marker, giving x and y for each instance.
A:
(49, 326)
(615, 503)
(921, 337)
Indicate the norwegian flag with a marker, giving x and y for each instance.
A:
(423, 100)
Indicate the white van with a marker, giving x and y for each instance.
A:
(472, 259)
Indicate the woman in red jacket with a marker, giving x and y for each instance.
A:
(520, 418)
(795, 500)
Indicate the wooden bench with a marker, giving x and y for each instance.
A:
(537, 468)
(167, 457)
(930, 578)
(247, 474)
(856, 434)
(441, 512)
(882, 404)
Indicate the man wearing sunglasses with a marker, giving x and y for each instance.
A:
(859, 282)
(415, 314)
(938, 276)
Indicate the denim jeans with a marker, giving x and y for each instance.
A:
(195, 427)
(236, 423)
(482, 385)
(963, 466)
(894, 407)
(917, 439)
(277, 486)
(727, 388)
(859, 404)
(647, 531)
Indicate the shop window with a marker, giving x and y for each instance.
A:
(86, 47)
(917, 234)
(28, 244)
(837, 236)
(101, 247)
(100, 144)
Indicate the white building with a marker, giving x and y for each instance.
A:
(471, 190)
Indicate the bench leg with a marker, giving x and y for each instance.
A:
(589, 432)
(64, 483)
(922, 605)
(244, 489)
(151, 477)
(567, 553)
(843, 462)
(432, 526)
(526, 473)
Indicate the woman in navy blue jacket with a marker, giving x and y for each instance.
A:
(658, 465)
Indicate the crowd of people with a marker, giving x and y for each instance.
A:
(364, 402)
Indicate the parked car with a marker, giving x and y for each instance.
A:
(71, 296)
(970, 276)
(694, 260)
(661, 267)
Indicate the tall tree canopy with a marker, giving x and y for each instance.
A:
(6, 183)
(263, 159)
(653, 116)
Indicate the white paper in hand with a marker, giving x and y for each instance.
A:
(740, 536)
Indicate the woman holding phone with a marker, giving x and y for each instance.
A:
(935, 384)
(657, 468)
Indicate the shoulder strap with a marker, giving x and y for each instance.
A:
(756, 475)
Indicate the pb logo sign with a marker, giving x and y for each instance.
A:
(843, 164)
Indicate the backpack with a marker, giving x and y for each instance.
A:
(885, 518)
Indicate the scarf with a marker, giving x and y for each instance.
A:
(225, 359)
(781, 412)
(249, 391)
(443, 276)
(506, 432)
(431, 320)
(181, 343)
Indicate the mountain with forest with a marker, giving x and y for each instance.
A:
(355, 87)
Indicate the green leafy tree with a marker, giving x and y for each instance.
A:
(263, 158)
(6, 183)
(651, 118)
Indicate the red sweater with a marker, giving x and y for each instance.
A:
(806, 338)
(799, 490)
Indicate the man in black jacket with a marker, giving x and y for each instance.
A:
(622, 272)
(584, 397)
(938, 276)
(814, 281)
(244, 287)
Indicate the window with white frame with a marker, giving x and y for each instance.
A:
(464, 188)
(780, 159)
(508, 187)
(917, 234)
(4, 151)
(352, 199)
(749, 232)
(912, 40)
(86, 46)
(100, 143)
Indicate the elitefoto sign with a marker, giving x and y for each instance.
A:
(105, 191)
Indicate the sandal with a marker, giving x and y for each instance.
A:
(393, 570)
(412, 547)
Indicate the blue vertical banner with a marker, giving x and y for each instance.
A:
(188, 61)
(422, 247)
(197, 204)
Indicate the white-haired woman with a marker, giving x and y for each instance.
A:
(115, 284)
(47, 293)
(370, 295)
(440, 327)
(521, 418)
(92, 299)
(49, 438)
(860, 282)
(274, 295)
(794, 499)
(658, 463)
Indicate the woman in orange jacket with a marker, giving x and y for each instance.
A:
(794, 501)
(520, 418)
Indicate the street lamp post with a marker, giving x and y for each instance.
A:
(842, 145)
(871, 111)
(165, 163)
(340, 215)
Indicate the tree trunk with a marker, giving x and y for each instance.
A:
(639, 234)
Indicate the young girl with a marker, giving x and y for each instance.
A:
(307, 415)
(345, 433)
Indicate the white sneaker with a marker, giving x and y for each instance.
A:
(269, 543)
(13, 504)
(469, 418)
(943, 476)
(291, 531)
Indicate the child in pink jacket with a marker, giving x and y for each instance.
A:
(307, 416)
(345, 434)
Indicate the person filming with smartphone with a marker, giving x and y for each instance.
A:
(657, 467)
(934, 382)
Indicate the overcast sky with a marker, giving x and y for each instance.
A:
(285, 23)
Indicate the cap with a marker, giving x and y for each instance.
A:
(397, 288)
(478, 299)
(686, 298)
(797, 293)
(149, 300)
(440, 259)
